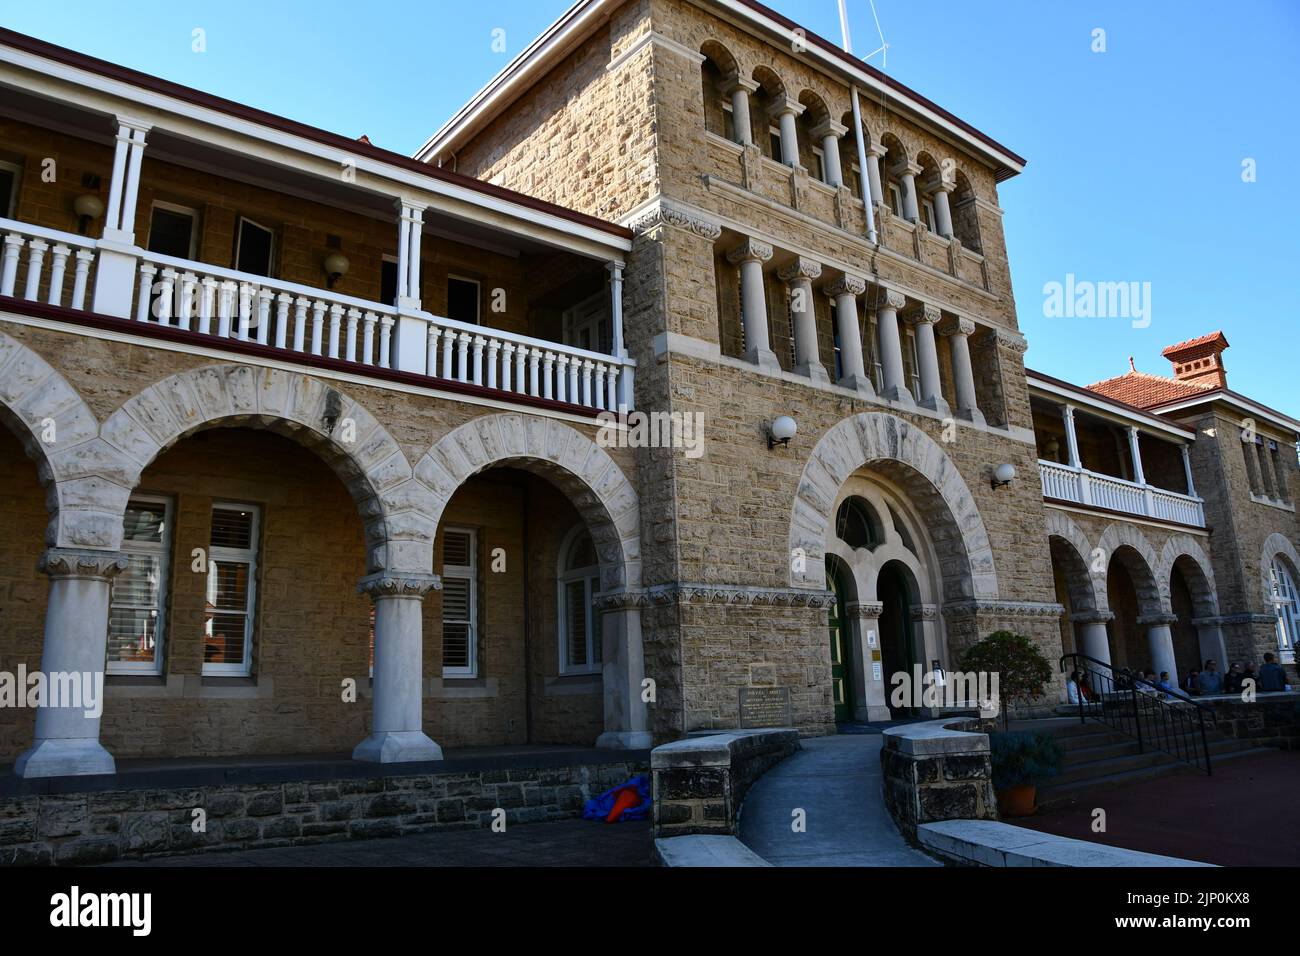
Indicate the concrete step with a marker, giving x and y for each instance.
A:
(1092, 769)
(1059, 791)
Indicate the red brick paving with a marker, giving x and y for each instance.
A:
(1246, 814)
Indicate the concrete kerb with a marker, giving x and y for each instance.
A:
(990, 843)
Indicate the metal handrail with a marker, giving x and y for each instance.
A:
(1167, 728)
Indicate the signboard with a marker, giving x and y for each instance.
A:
(765, 707)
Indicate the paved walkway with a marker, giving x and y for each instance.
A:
(1243, 815)
(567, 843)
(836, 780)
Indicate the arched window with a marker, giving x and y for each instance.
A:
(1286, 605)
(717, 110)
(579, 624)
(858, 525)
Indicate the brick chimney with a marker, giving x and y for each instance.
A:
(1199, 361)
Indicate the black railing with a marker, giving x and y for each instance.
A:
(1158, 719)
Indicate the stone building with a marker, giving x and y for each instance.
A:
(311, 447)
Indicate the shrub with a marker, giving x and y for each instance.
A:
(1021, 759)
(1021, 668)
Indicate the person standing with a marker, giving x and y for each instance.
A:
(1272, 676)
(1210, 681)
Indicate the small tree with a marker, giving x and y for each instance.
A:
(1021, 668)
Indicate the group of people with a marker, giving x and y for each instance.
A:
(1271, 677)
(1207, 680)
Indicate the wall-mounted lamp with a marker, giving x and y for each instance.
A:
(1003, 474)
(1053, 449)
(87, 206)
(336, 267)
(781, 431)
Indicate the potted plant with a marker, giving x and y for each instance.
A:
(1021, 761)
(1020, 666)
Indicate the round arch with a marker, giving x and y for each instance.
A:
(917, 463)
(1130, 546)
(1070, 547)
(1185, 553)
(396, 507)
(1276, 545)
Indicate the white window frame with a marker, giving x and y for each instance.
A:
(239, 241)
(478, 295)
(163, 551)
(819, 161)
(237, 556)
(465, 572)
(1286, 610)
(182, 211)
(18, 182)
(590, 576)
(913, 370)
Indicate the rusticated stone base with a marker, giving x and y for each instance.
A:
(1271, 720)
(938, 770)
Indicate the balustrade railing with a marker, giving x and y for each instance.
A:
(45, 265)
(1078, 485)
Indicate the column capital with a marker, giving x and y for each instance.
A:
(126, 124)
(409, 208)
(800, 268)
(905, 167)
(1158, 620)
(750, 250)
(781, 105)
(615, 269)
(1092, 617)
(889, 299)
(876, 150)
(925, 314)
(82, 563)
(956, 325)
(733, 81)
(866, 609)
(385, 584)
(846, 285)
(829, 127)
(938, 183)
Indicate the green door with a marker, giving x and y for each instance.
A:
(841, 692)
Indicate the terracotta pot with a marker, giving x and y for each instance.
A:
(1017, 801)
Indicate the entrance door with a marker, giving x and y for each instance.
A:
(841, 691)
(897, 643)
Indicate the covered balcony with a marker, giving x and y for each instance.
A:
(1098, 454)
(132, 206)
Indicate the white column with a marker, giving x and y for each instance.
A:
(618, 349)
(906, 173)
(410, 229)
(786, 110)
(798, 275)
(853, 373)
(627, 723)
(959, 330)
(750, 256)
(1187, 468)
(1071, 436)
(76, 637)
(1094, 642)
(942, 210)
(927, 357)
(396, 733)
(891, 348)
(1138, 475)
(874, 154)
(739, 89)
(1160, 642)
(829, 134)
(115, 273)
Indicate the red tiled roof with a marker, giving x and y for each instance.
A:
(1145, 390)
(1192, 343)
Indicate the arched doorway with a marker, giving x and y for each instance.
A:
(895, 590)
(839, 632)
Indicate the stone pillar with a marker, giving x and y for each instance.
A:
(798, 275)
(891, 347)
(1071, 436)
(76, 643)
(115, 272)
(874, 155)
(739, 89)
(396, 735)
(1187, 468)
(907, 173)
(786, 110)
(942, 211)
(829, 133)
(750, 255)
(868, 676)
(1136, 451)
(925, 626)
(1209, 638)
(410, 229)
(927, 355)
(627, 724)
(959, 330)
(1093, 640)
(1160, 642)
(853, 373)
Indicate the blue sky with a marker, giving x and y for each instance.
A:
(1135, 154)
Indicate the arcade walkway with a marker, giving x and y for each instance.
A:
(836, 781)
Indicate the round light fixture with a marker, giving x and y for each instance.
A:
(336, 267)
(1003, 474)
(781, 431)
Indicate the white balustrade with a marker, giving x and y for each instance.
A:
(1080, 486)
(39, 264)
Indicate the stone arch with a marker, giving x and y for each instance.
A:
(564, 456)
(722, 57)
(767, 78)
(85, 478)
(1277, 545)
(815, 109)
(919, 465)
(1130, 546)
(398, 510)
(965, 215)
(1185, 552)
(1070, 546)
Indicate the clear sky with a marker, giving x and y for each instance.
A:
(1135, 154)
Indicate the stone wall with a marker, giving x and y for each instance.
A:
(938, 770)
(1271, 720)
(143, 822)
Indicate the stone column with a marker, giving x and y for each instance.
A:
(798, 275)
(1209, 639)
(925, 625)
(739, 89)
(874, 155)
(1160, 642)
(959, 330)
(76, 644)
(786, 110)
(907, 173)
(868, 676)
(750, 255)
(891, 347)
(1094, 642)
(942, 211)
(927, 355)
(829, 133)
(397, 734)
(853, 373)
(1071, 436)
(627, 723)
(1187, 468)
(1135, 450)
